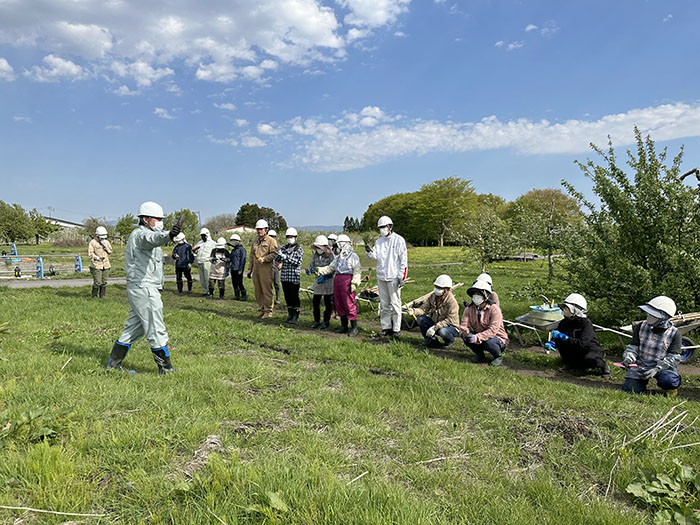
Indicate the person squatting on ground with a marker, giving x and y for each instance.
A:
(437, 313)
(655, 349)
(348, 273)
(237, 267)
(392, 264)
(575, 338)
(183, 256)
(203, 251)
(482, 327)
(262, 255)
(143, 262)
(219, 264)
(276, 271)
(99, 249)
(323, 287)
(290, 256)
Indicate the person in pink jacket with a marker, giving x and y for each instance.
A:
(482, 327)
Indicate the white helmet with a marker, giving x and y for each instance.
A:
(576, 299)
(179, 237)
(333, 237)
(262, 223)
(443, 281)
(291, 232)
(485, 277)
(660, 305)
(271, 233)
(151, 209)
(235, 237)
(321, 240)
(221, 242)
(344, 238)
(480, 286)
(384, 221)
(204, 231)
(101, 231)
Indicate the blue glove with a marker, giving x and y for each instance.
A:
(648, 374)
(558, 336)
(550, 346)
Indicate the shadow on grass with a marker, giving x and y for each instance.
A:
(101, 354)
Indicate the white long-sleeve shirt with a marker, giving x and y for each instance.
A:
(391, 256)
(204, 249)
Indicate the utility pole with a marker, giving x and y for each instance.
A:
(199, 218)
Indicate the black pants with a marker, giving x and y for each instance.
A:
(237, 281)
(179, 271)
(328, 302)
(291, 294)
(582, 359)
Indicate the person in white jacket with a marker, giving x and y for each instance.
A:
(392, 264)
(202, 251)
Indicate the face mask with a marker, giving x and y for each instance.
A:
(653, 321)
(181, 242)
(477, 299)
(566, 312)
(158, 226)
(319, 251)
(384, 231)
(344, 246)
(204, 237)
(291, 240)
(438, 292)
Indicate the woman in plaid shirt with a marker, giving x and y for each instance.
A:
(290, 256)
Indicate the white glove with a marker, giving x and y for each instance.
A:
(430, 332)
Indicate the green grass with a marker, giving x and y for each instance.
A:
(299, 416)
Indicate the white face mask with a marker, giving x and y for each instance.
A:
(291, 240)
(344, 246)
(438, 291)
(384, 231)
(477, 299)
(158, 226)
(652, 320)
(566, 312)
(319, 251)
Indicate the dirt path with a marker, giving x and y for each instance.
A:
(64, 283)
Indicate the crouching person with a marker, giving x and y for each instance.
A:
(437, 313)
(575, 338)
(143, 262)
(655, 349)
(482, 327)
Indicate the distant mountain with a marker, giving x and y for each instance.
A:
(317, 228)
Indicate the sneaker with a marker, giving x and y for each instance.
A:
(477, 359)
(497, 361)
(396, 336)
(387, 332)
(448, 345)
(323, 326)
(567, 368)
(431, 343)
(315, 325)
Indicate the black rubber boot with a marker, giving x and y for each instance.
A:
(295, 316)
(210, 295)
(236, 296)
(605, 371)
(118, 354)
(189, 287)
(324, 325)
(221, 293)
(353, 328)
(95, 290)
(290, 315)
(343, 325)
(179, 287)
(103, 291)
(162, 359)
(244, 297)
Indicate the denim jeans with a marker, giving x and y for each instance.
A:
(447, 333)
(493, 346)
(666, 380)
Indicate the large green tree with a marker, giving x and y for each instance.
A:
(444, 206)
(42, 227)
(248, 214)
(125, 225)
(15, 223)
(643, 236)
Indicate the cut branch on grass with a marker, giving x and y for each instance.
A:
(353, 480)
(66, 363)
(441, 458)
(55, 512)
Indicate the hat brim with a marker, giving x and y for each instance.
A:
(472, 291)
(653, 311)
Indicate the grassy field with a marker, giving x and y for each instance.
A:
(268, 424)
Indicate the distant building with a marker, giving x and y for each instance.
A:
(66, 225)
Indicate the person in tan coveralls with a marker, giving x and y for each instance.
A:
(262, 255)
(98, 251)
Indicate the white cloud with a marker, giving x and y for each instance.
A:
(228, 142)
(163, 113)
(668, 18)
(515, 45)
(22, 118)
(56, 69)
(268, 129)
(500, 43)
(241, 122)
(530, 27)
(213, 41)
(550, 27)
(344, 144)
(113, 127)
(399, 34)
(7, 73)
(252, 142)
(228, 106)
(124, 91)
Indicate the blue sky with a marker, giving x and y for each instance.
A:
(319, 108)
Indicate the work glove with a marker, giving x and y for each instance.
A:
(648, 374)
(175, 256)
(174, 231)
(368, 249)
(430, 332)
(550, 346)
(353, 287)
(558, 336)
(469, 339)
(260, 259)
(628, 358)
(399, 282)
(410, 311)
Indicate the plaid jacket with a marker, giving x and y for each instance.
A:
(290, 255)
(654, 348)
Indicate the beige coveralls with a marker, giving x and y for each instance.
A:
(262, 254)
